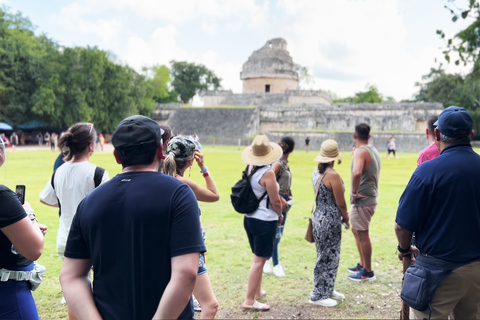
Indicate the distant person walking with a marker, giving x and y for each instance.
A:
(432, 151)
(363, 200)
(14, 140)
(330, 212)
(39, 138)
(391, 148)
(307, 144)
(46, 137)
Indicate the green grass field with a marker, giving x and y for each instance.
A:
(229, 256)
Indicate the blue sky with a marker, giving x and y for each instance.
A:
(346, 44)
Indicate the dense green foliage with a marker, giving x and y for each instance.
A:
(58, 86)
(457, 89)
(189, 79)
(371, 95)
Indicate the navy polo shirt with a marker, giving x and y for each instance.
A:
(441, 204)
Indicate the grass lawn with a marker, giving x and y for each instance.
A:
(229, 256)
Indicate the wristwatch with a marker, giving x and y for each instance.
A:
(403, 250)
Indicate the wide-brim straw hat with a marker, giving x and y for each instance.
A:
(328, 152)
(261, 152)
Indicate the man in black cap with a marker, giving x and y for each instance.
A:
(441, 204)
(140, 232)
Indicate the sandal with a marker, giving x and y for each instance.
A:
(257, 306)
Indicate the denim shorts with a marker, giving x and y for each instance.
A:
(201, 265)
(261, 235)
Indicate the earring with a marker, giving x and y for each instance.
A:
(190, 172)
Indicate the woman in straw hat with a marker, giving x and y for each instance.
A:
(261, 225)
(330, 212)
(182, 152)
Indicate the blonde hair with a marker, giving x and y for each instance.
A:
(172, 166)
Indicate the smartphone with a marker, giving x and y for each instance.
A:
(20, 191)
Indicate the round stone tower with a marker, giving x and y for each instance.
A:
(270, 69)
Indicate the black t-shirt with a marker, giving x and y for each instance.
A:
(130, 227)
(11, 211)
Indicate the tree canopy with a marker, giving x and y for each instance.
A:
(190, 79)
(371, 95)
(59, 86)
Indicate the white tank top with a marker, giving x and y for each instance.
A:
(262, 213)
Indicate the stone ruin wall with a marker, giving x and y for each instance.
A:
(229, 125)
(277, 85)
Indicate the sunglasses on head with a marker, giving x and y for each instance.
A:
(90, 125)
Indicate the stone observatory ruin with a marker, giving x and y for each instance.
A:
(273, 104)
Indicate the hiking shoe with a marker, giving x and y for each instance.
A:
(278, 271)
(362, 275)
(337, 295)
(267, 267)
(355, 269)
(324, 302)
(196, 305)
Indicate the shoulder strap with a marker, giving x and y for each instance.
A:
(51, 181)
(97, 177)
(255, 168)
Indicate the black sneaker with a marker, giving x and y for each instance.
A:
(355, 269)
(362, 275)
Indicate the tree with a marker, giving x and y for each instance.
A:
(467, 42)
(190, 79)
(440, 87)
(370, 96)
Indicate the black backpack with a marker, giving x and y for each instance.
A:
(243, 198)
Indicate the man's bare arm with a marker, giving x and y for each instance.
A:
(76, 288)
(360, 158)
(180, 288)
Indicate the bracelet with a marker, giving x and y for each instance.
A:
(205, 169)
(403, 250)
(353, 195)
(206, 174)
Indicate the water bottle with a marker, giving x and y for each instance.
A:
(32, 218)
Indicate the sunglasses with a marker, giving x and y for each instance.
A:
(90, 125)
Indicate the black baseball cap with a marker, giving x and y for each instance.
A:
(454, 122)
(136, 134)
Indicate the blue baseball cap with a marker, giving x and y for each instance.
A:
(454, 121)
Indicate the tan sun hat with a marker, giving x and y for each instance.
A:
(261, 152)
(328, 152)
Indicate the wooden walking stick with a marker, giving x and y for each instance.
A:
(405, 313)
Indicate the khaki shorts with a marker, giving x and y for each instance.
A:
(360, 217)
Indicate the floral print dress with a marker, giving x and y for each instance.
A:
(327, 233)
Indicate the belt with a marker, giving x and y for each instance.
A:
(6, 275)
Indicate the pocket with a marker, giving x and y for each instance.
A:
(415, 288)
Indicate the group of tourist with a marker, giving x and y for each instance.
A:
(119, 224)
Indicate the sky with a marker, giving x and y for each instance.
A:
(345, 44)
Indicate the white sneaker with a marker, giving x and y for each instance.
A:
(337, 295)
(278, 271)
(267, 268)
(196, 305)
(324, 302)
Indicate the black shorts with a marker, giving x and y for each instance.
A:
(261, 235)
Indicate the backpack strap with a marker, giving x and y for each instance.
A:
(97, 177)
(255, 169)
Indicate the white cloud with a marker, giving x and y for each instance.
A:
(72, 18)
